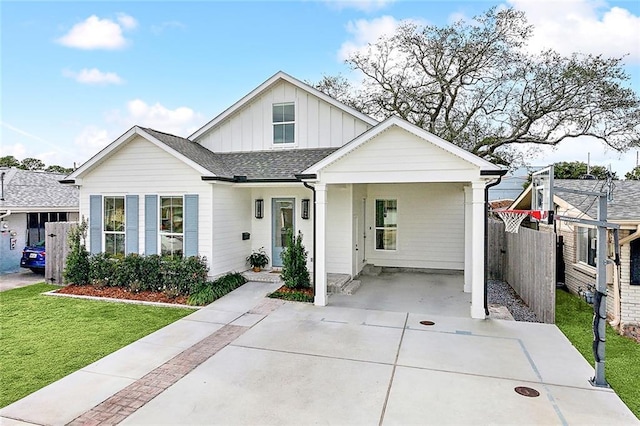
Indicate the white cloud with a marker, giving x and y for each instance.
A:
(93, 76)
(96, 33)
(18, 150)
(91, 140)
(180, 121)
(363, 5)
(585, 26)
(363, 32)
(160, 28)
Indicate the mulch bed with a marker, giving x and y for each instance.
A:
(121, 293)
(284, 289)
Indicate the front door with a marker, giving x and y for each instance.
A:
(282, 225)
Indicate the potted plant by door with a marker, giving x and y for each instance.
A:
(258, 259)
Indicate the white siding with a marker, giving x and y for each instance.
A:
(141, 168)
(430, 225)
(261, 229)
(399, 156)
(339, 242)
(231, 217)
(318, 123)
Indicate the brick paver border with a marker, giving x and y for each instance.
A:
(128, 400)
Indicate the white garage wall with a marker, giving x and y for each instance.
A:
(430, 225)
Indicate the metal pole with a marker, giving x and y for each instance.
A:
(600, 300)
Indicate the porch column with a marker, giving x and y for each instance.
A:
(320, 278)
(467, 239)
(477, 249)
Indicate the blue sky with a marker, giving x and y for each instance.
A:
(76, 75)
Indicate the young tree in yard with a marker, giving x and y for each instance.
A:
(633, 174)
(294, 263)
(472, 83)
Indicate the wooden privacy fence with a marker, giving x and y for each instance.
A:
(526, 261)
(57, 249)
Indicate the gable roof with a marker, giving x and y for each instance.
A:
(29, 190)
(623, 207)
(183, 149)
(276, 78)
(483, 164)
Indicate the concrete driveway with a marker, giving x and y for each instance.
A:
(249, 360)
(19, 279)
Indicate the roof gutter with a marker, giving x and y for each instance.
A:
(486, 233)
(244, 179)
(630, 237)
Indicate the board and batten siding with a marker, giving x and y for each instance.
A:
(141, 168)
(318, 124)
(396, 155)
(430, 225)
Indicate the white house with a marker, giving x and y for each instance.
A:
(287, 156)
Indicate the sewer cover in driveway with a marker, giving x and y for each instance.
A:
(427, 322)
(525, 391)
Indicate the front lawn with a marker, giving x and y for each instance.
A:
(45, 338)
(622, 355)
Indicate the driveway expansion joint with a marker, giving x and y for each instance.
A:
(125, 402)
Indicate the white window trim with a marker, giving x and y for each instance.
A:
(295, 126)
(160, 232)
(579, 261)
(102, 230)
(375, 228)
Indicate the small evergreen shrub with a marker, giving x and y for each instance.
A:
(294, 296)
(151, 278)
(128, 272)
(76, 270)
(294, 263)
(103, 269)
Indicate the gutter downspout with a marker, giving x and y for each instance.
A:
(2, 185)
(486, 238)
(313, 189)
(7, 213)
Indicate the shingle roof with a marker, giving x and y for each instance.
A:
(24, 189)
(626, 197)
(274, 164)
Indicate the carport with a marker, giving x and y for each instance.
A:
(399, 196)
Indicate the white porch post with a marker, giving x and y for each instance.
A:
(468, 222)
(320, 278)
(477, 249)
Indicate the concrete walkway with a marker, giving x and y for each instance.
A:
(249, 360)
(19, 279)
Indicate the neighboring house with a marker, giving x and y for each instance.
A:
(28, 200)
(580, 244)
(288, 157)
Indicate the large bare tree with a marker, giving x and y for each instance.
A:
(474, 84)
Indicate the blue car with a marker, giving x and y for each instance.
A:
(33, 257)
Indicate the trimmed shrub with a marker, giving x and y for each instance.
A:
(76, 270)
(102, 270)
(294, 263)
(128, 272)
(151, 273)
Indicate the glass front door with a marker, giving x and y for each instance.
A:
(283, 224)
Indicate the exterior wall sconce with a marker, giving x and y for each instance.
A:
(259, 208)
(305, 208)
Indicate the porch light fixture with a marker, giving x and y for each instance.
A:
(305, 208)
(259, 208)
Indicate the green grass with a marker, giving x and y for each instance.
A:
(622, 355)
(44, 338)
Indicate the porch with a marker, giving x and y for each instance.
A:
(438, 292)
